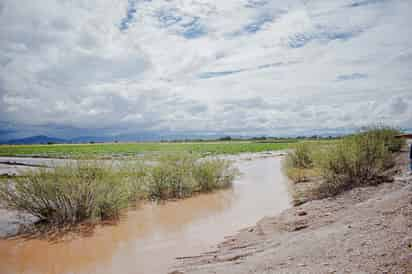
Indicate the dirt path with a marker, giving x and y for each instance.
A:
(365, 230)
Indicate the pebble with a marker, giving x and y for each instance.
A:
(407, 242)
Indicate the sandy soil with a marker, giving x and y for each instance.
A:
(365, 230)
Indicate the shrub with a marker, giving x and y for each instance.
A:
(67, 194)
(387, 136)
(357, 160)
(213, 174)
(86, 189)
(170, 180)
(136, 176)
(180, 175)
(361, 159)
(301, 163)
(300, 157)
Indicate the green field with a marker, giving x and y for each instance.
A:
(131, 149)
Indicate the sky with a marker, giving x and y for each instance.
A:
(203, 67)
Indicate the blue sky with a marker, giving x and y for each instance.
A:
(242, 67)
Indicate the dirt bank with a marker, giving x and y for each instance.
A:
(365, 230)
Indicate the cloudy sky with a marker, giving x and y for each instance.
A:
(244, 67)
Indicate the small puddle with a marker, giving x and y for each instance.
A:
(149, 238)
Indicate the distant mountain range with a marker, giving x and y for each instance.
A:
(42, 139)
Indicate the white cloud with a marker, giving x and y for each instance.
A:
(249, 67)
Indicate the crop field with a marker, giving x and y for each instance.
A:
(131, 149)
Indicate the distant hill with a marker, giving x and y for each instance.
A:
(42, 139)
(39, 139)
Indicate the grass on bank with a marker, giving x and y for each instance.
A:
(303, 162)
(93, 190)
(131, 149)
(357, 160)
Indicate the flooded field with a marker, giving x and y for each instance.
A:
(149, 238)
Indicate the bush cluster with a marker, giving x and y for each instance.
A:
(356, 160)
(93, 190)
(67, 194)
(301, 162)
(179, 176)
(300, 157)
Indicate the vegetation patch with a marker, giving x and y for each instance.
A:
(176, 176)
(131, 149)
(94, 190)
(357, 160)
(67, 194)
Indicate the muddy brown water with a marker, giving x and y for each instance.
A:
(149, 238)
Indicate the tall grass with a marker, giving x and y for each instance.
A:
(181, 175)
(67, 194)
(300, 164)
(172, 177)
(387, 136)
(301, 156)
(213, 174)
(356, 160)
(92, 190)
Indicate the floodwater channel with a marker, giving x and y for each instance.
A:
(150, 237)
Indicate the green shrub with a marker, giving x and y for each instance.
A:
(67, 194)
(301, 163)
(357, 160)
(387, 136)
(170, 180)
(180, 175)
(85, 190)
(300, 157)
(361, 159)
(136, 176)
(211, 174)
